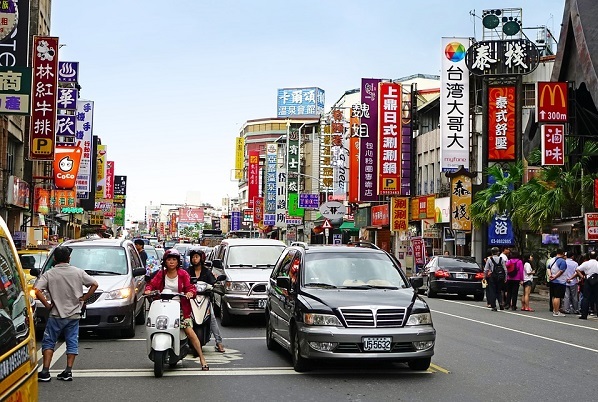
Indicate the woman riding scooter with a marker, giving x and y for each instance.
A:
(173, 277)
(197, 269)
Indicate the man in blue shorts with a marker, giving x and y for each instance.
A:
(558, 282)
(65, 284)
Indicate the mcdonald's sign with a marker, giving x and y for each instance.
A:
(552, 102)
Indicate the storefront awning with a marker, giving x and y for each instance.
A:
(349, 226)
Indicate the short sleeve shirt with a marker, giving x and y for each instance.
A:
(559, 264)
(589, 267)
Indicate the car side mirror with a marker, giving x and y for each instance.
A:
(221, 278)
(283, 282)
(217, 264)
(34, 272)
(139, 271)
(416, 282)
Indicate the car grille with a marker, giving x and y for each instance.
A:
(93, 298)
(373, 318)
(397, 347)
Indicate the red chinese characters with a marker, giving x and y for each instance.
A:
(399, 214)
(43, 99)
(389, 138)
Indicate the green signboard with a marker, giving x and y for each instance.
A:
(15, 90)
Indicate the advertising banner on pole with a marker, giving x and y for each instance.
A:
(271, 159)
(389, 138)
(253, 176)
(83, 136)
(281, 197)
(368, 143)
(42, 129)
(454, 105)
(355, 126)
(109, 190)
(239, 157)
(501, 123)
(101, 172)
(553, 144)
(461, 190)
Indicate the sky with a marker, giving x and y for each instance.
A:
(174, 81)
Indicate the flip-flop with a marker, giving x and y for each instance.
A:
(219, 350)
(205, 368)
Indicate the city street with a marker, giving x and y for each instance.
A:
(497, 356)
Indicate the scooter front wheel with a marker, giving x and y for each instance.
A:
(158, 364)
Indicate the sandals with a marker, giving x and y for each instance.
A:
(205, 367)
(219, 348)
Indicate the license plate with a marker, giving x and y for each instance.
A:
(377, 344)
(261, 303)
(461, 276)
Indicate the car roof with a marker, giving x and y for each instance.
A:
(319, 248)
(96, 242)
(252, 242)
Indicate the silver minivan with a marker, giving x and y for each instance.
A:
(247, 264)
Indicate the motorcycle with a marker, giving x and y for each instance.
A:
(166, 342)
(201, 306)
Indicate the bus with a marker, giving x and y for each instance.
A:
(18, 358)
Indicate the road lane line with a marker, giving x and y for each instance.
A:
(527, 315)
(516, 330)
(58, 354)
(249, 338)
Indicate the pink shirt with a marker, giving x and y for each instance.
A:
(517, 274)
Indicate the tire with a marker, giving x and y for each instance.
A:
(129, 331)
(429, 292)
(158, 364)
(140, 318)
(420, 364)
(225, 316)
(478, 297)
(172, 365)
(270, 342)
(300, 363)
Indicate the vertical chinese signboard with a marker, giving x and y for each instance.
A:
(553, 144)
(83, 136)
(239, 154)
(281, 197)
(253, 176)
(389, 138)
(293, 168)
(337, 155)
(501, 123)
(43, 100)
(399, 214)
(355, 126)
(368, 143)
(461, 202)
(591, 225)
(258, 210)
(120, 199)
(454, 105)
(101, 172)
(109, 189)
(271, 159)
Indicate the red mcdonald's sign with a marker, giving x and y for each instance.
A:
(552, 103)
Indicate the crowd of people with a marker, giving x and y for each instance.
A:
(572, 281)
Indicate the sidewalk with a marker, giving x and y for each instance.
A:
(540, 293)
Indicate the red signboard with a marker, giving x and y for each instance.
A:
(258, 210)
(591, 225)
(66, 166)
(380, 215)
(419, 250)
(191, 215)
(389, 138)
(596, 193)
(553, 144)
(253, 176)
(43, 100)
(109, 184)
(552, 102)
(354, 159)
(501, 123)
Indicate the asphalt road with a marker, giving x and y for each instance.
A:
(480, 355)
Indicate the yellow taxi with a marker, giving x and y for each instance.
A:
(18, 360)
(32, 258)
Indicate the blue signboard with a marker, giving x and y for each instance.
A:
(269, 219)
(500, 231)
(68, 71)
(300, 102)
(235, 222)
(309, 200)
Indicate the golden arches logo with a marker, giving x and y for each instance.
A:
(552, 89)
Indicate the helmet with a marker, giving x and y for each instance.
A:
(171, 252)
(198, 251)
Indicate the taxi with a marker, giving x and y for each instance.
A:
(32, 258)
(18, 360)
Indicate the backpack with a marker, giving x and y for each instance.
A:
(499, 269)
(511, 267)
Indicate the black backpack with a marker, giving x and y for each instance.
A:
(499, 269)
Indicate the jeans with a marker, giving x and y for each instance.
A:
(214, 325)
(512, 294)
(571, 303)
(54, 327)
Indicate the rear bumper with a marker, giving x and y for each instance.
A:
(451, 286)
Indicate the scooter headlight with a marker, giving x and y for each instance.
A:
(161, 322)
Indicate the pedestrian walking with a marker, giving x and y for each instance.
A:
(570, 304)
(514, 279)
(528, 278)
(589, 270)
(558, 282)
(64, 283)
(495, 275)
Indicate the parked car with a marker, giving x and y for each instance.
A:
(453, 274)
(117, 304)
(247, 264)
(335, 303)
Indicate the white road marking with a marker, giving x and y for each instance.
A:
(516, 330)
(527, 315)
(58, 354)
(248, 338)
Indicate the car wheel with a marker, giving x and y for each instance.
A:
(270, 342)
(420, 364)
(478, 297)
(140, 318)
(300, 363)
(429, 292)
(225, 316)
(129, 331)
(158, 363)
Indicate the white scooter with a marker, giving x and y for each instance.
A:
(166, 341)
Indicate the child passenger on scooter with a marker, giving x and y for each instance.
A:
(197, 269)
(172, 276)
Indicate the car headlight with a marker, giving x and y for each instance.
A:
(116, 294)
(321, 319)
(236, 286)
(420, 319)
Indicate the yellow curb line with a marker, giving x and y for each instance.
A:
(438, 368)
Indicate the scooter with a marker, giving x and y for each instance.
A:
(166, 341)
(200, 306)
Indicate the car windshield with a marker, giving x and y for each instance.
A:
(348, 270)
(33, 260)
(457, 264)
(97, 260)
(151, 252)
(254, 255)
(182, 249)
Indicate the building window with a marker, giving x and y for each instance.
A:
(529, 95)
(10, 158)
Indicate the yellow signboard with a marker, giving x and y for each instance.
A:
(399, 214)
(101, 172)
(239, 157)
(461, 203)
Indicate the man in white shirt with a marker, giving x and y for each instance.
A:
(589, 269)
